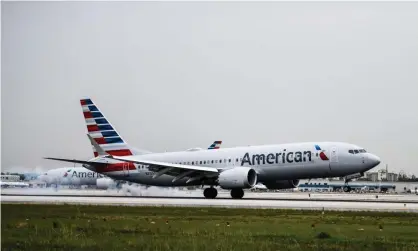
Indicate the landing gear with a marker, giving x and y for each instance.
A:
(346, 187)
(210, 193)
(237, 193)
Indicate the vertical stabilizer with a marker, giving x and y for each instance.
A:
(100, 129)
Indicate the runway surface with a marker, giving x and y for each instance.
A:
(316, 201)
(198, 194)
(228, 203)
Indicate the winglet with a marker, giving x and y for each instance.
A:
(96, 146)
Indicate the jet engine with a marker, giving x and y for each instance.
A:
(282, 184)
(105, 183)
(238, 177)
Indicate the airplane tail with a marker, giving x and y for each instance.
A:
(215, 145)
(100, 129)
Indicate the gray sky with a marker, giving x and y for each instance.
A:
(170, 76)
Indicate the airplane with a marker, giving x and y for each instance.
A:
(279, 166)
(12, 181)
(78, 176)
(6, 184)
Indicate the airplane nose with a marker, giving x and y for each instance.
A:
(374, 160)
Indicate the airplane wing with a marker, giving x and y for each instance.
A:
(165, 164)
(77, 161)
(178, 170)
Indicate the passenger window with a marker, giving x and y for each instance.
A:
(192, 162)
(229, 160)
(212, 161)
(351, 151)
(220, 161)
(236, 160)
(204, 162)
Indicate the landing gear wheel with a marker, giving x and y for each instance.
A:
(346, 189)
(237, 193)
(210, 193)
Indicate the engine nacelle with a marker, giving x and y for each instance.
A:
(238, 177)
(282, 184)
(105, 183)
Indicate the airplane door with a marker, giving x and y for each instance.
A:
(125, 168)
(333, 161)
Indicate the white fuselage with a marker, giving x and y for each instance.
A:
(271, 162)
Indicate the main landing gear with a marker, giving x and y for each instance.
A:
(211, 193)
(237, 193)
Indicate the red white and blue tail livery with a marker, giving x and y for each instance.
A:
(100, 129)
(215, 145)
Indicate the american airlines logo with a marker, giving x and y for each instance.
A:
(89, 175)
(282, 157)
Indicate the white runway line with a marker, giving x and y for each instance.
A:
(228, 203)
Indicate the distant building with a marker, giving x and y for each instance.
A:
(373, 176)
(392, 177)
(381, 176)
(10, 178)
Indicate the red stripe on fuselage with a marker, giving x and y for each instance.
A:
(123, 152)
(116, 167)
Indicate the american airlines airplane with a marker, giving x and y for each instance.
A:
(279, 166)
(79, 176)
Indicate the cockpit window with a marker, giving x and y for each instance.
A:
(351, 151)
(355, 151)
(362, 150)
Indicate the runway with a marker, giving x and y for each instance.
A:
(301, 201)
(198, 194)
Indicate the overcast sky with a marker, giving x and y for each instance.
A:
(170, 76)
